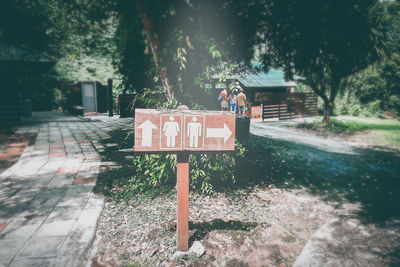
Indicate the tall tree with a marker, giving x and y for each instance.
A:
(187, 42)
(323, 41)
(176, 44)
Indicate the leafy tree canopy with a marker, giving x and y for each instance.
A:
(175, 46)
(324, 41)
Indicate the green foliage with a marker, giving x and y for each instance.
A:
(372, 91)
(324, 48)
(153, 98)
(84, 67)
(154, 169)
(355, 110)
(208, 172)
(40, 88)
(57, 98)
(77, 33)
(195, 40)
(190, 42)
(394, 102)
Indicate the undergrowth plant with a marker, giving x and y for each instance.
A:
(208, 172)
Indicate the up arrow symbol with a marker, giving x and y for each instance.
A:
(219, 133)
(147, 132)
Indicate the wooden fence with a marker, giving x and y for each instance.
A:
(288, 106)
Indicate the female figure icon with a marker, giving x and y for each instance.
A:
(171, 130)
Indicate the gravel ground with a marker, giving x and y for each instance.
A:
(262, 226)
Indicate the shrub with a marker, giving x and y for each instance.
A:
(342, 110)
(207, 171)
(366, 112)
(355, 110)
(57, 96)
(375, 107)
(394, 103)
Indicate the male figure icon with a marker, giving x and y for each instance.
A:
(194, 131)
(171, 130)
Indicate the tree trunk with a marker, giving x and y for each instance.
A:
(328, 107)
(154, 50)
(327, 103)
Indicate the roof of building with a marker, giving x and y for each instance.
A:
(10, 52)
(274, 78)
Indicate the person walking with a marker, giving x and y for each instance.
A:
(241, 102)
(233, 102)
(224, 99)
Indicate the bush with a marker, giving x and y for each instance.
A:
(208, 172)
(355, 110)
(214, 171)
(366, 112)
(394, 103)
(57, 96)
(375, 107)
(342, 110)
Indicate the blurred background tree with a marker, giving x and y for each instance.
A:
(172, 48)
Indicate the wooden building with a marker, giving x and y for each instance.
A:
(270, 96)
(260, 85)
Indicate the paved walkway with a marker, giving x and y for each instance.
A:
(48, 213)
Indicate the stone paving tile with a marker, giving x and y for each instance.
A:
(85, 180)
(68, 169)
(2, 226)
(76, 196)
(64, 213)
(39, 181)
(34, 214)
(42, 247)
(62, 180)
(48, 197)
(21, 229)
(81, 233)
(32, 262)
(55, 228)
(48, 214)
(9, 249)
(10, 209)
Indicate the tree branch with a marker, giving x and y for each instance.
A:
(154, 50)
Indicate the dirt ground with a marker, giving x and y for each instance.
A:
(12, 145)
(262, 226)
(354, 198)
(256, 226)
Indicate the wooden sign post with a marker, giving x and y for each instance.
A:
(183, 132)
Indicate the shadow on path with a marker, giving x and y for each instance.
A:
(367, 180)
(371, 178)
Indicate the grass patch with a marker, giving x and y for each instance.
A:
(361, 124)
(375, 131)
(353, 125)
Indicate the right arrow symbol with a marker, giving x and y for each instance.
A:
(147, 135)
(219, 133)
